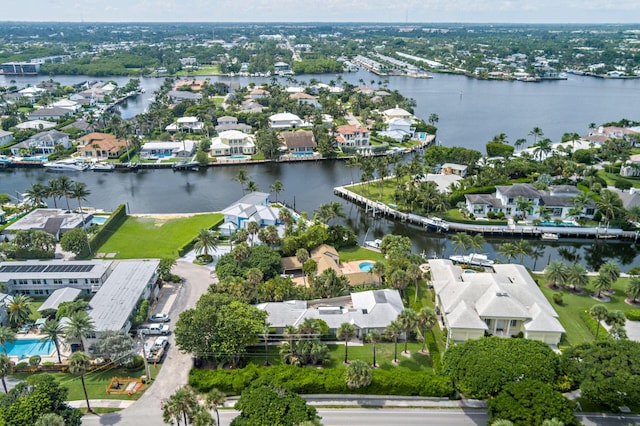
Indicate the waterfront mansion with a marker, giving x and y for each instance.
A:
(525, 201)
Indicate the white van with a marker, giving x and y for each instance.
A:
(154, 329)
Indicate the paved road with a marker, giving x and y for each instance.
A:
(176, 366)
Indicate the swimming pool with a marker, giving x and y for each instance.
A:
(99, 220)
(558, 224)
(366, 266)
(302, 153)
(469, 271)
(238, 157)
(24, 348)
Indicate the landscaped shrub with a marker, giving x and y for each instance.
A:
(632, 314)
(135, 364)
(330, 380)
(34, 360)
(557, 299)
(21, 365)
(592, 325)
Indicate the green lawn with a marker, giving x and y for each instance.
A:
(142, 237)
(97, 382)
(204, 70)
(360, 253)
(574, 304)
(372, 190)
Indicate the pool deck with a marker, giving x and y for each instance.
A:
(353, 267)
(53, 356)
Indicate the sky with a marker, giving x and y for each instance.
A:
(415, 11)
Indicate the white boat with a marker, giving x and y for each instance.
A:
(549, 236)
(68, 165)
(103, 167)
(472, 259)
(374, 244)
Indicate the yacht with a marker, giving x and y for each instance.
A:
(103, 167)
(4, 161)
(68, 165)
(374, 244)
(549, 236)
(472, 259)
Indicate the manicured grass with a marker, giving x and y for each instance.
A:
(97, 382)
(35, 304)
(384, 356)
(372, 190)
(143, 237)
(574, 304)
(204, 70)
(360, 253)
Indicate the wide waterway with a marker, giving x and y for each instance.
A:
(471, 112)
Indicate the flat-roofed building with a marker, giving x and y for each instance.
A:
(44, 277)
(54, 221)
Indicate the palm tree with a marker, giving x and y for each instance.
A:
(508, 250)
(302, 255)
(80, 325)
(251, 186)
(329, 211)
(65, 187)
(276, 187)
(556, 273)
(599, 313)
(206, 240)
(476, 242)
(609, 205)
(577, 276)
(36, 194)
(52, 330)
(358, 375)
(19, 309)
(524, 205)
(611, 270)
(5, 370)
(399, 280)
(215, 398)
(523, 248)
(53, 191)
(379, 269)
(408, 319)
(542, 149)
(393, 331)
(182, 405)
(79, 192)
(6, 336)
(426, 319)
(536, 132)
(242, 178)
(461, 242)
(373, 337)
(346, 332)
(414, 273)
(601, 283)
(633, 289)
(79, 362)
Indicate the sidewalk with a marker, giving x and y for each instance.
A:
(101, 403)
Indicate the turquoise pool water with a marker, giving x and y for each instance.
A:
(366, 266)
(302, 153)
(469, 271)
(238, 157)
(24, 348)
(560, 224)
(99, 220)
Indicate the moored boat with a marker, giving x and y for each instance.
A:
(472, 259)
(549, 236)
(68, 165)
(103, 167)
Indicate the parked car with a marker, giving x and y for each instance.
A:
(154, 329)
(159, 318)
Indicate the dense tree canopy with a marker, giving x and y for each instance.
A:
(264, 404)
(481, 368)
(607, 371)
(530, 402)
(219, 328)
(260, 256)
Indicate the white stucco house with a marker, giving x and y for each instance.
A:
(285, 120)
(232, 142)
(503, 302)
(43, 143)
(156, 149)
(352, 135)
(253, 207)
(186, 124)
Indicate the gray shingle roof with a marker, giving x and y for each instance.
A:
(519, 190)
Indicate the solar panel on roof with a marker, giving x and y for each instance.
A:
(70, 268)
(22, 268)
(44, 268)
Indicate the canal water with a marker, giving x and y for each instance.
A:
(471, 112)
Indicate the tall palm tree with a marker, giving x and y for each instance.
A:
(5, 370)
(476, 243)
(609, 205)
(373, 337)
(251, 186)
(52, 330)
(601, 283)
(599, 313)
(80, 326)
(536, 132)
(182, 405)
(206, 240)
(65, 188)
(556, 273)
(242, 178)
(37, 194)
(633, 289)
(542, 149)
(426, 319)
(253, 228)
(523, 249)
(461, 242)
(577, 276)
(19, 309)
(346, 332)
(79, 192)
(508, 250)
(6, 336)
(393, 332)
(276, 187)
(611, 270)
(414, 273)
(408, 319)
(53, 191)
(214, 399)
(79, 363)
(302, 255)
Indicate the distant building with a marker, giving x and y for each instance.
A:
(20, 68)
(43, 143)
(285, 120)
(300, 141)
(5, 137)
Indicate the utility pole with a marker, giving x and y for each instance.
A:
(144, 356)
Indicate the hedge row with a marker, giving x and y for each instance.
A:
(593, 325)
(633, 314)
(112, 224)
(124, 158)
(307, 380)
(189, 246)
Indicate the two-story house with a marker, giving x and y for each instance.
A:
(43, 143)
(299, 142)
(352, 136)
(101, 146)
(232, 142)
(285, 120)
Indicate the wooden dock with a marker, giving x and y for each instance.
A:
(376, 208)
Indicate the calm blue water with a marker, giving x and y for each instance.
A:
(365, 266)
(558, 224)
(99, 220)
(24, 348)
